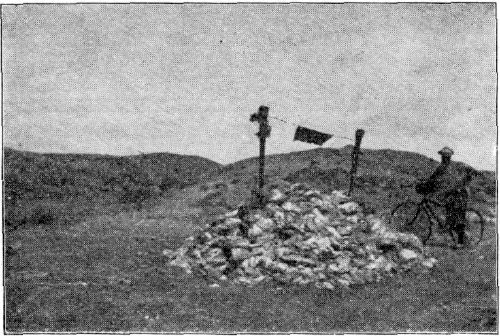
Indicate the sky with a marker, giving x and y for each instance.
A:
(185, 78)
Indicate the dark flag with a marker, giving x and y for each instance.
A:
(311, 136)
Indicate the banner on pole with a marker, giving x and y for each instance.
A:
(310, 136)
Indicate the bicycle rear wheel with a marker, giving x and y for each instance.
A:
(409, 217)
(474, 227)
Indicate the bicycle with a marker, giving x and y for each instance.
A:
(419, 219)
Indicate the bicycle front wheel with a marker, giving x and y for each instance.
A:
(409, 217)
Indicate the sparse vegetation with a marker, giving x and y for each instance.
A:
(103, 270)
(64, 188)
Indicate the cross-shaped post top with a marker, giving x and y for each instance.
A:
(261, 118)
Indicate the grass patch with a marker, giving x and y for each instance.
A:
(108, 274)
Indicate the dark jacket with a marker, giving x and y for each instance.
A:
(444, 183)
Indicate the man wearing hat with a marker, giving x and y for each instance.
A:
(451, 191)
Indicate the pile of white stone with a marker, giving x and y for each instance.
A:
(300, 236)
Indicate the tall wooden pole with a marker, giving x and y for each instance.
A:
(354, 156)
(262, 134)
(262, 153)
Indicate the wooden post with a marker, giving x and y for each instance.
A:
(354, 157)
(262, 134)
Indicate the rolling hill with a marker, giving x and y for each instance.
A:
(69, 187)
(380, 183)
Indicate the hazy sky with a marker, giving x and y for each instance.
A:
(121, 79)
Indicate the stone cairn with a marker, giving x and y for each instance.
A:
(300, 236)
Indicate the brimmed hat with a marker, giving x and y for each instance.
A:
(446, 151)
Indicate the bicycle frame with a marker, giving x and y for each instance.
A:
(427, 204)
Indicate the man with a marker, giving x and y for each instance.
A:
(451, 191)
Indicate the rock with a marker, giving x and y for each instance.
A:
(341, 265)
(216, 256)
(327, 200)
(251, 281)
(306, 206)
(300, 236)
(429, 262)
(255, 231)
(378, 263)
(390, 267)
(290, 217)
(230, 214)
(317, 202)
(339, 197)
(344, 282)
(279, 266)
(407, 254)
(371, 249)
(321, 276)
(263, 250)
(249, 266)
(307, 273)
(205, 237)
(279, 216)
(334, 242)
(182, 262)
(239, 254)
(265, 237)
(259, 279)
(333, 232)
(319, 219)
(307, 221)
(398, 239)
(409, 240)
(344, 230)
(281, 251)
(250, 263)
(298, 188)
(349, 208)
(289, 206)
(277, 196)
(238, 242)
(312, 193)
(321, 243)
(353, 219)
(335, 222)
(252, 218)
(232, 221)
(169, 253)
(265, 223)
(375, 225)
(272, 208)
(229, 223)
(293, 258)
(328, 285)
(344, 261)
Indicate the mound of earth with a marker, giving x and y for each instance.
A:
(300, 236)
